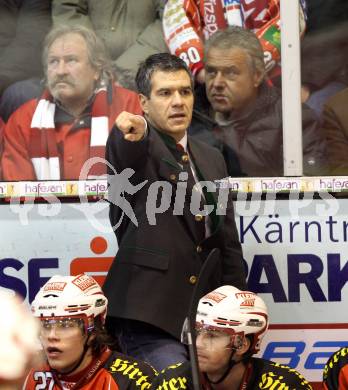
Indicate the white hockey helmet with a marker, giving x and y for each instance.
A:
(71, 296)
(18, 337)
(234, 312)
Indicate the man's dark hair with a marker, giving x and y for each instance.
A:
(102, 339)
(164, 62)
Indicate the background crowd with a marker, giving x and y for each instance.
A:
(182, 92)
(250, 135)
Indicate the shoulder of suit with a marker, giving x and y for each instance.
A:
(206, 148)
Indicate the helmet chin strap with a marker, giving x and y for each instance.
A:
(85, 349)
(230, 365)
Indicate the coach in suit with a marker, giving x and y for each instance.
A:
(151, 280)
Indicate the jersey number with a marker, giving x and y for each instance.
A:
(191, 56)
(46, 380)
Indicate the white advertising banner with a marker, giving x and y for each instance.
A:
(296, 253)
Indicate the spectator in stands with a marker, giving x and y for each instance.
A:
(188, 24)
(52, 137)
(23, 26)
(131, 30)
(230, 325)
(72, 312)
(335, 375)
(18, 341)
(242, 115)
(324, 52)
(335, 129)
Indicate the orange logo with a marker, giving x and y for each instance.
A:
(90, 265)
(57, 286)
(83, 282)
(215, 296)
(248, 303)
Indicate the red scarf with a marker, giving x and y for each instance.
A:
(43, 149)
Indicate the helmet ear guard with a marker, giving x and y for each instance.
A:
(239, 344)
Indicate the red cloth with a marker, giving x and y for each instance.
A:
(108, 371)
(188, 24)
(43, 148)
(2, 126)
(74, 148)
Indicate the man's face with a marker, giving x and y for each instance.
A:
(63, 342)
(70, 76)
(169, 107)
(213, 352)
(231, 83)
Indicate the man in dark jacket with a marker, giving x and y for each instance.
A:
(335, 129)
(243, 114)
(153, 276)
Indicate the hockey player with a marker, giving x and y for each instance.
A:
(335, 376)
(230, 325)
(72, 311)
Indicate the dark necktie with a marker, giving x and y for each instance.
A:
(183, 160)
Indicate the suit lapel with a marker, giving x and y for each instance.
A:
(169, 170)
(168, 167)
(206, 172)
(203, 165)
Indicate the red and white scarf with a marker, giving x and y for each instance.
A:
(43, 150)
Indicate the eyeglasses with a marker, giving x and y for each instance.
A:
(213, 339)
(61, 326)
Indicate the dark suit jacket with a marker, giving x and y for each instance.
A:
(254, 139)
(153, 275)
(335, 129)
